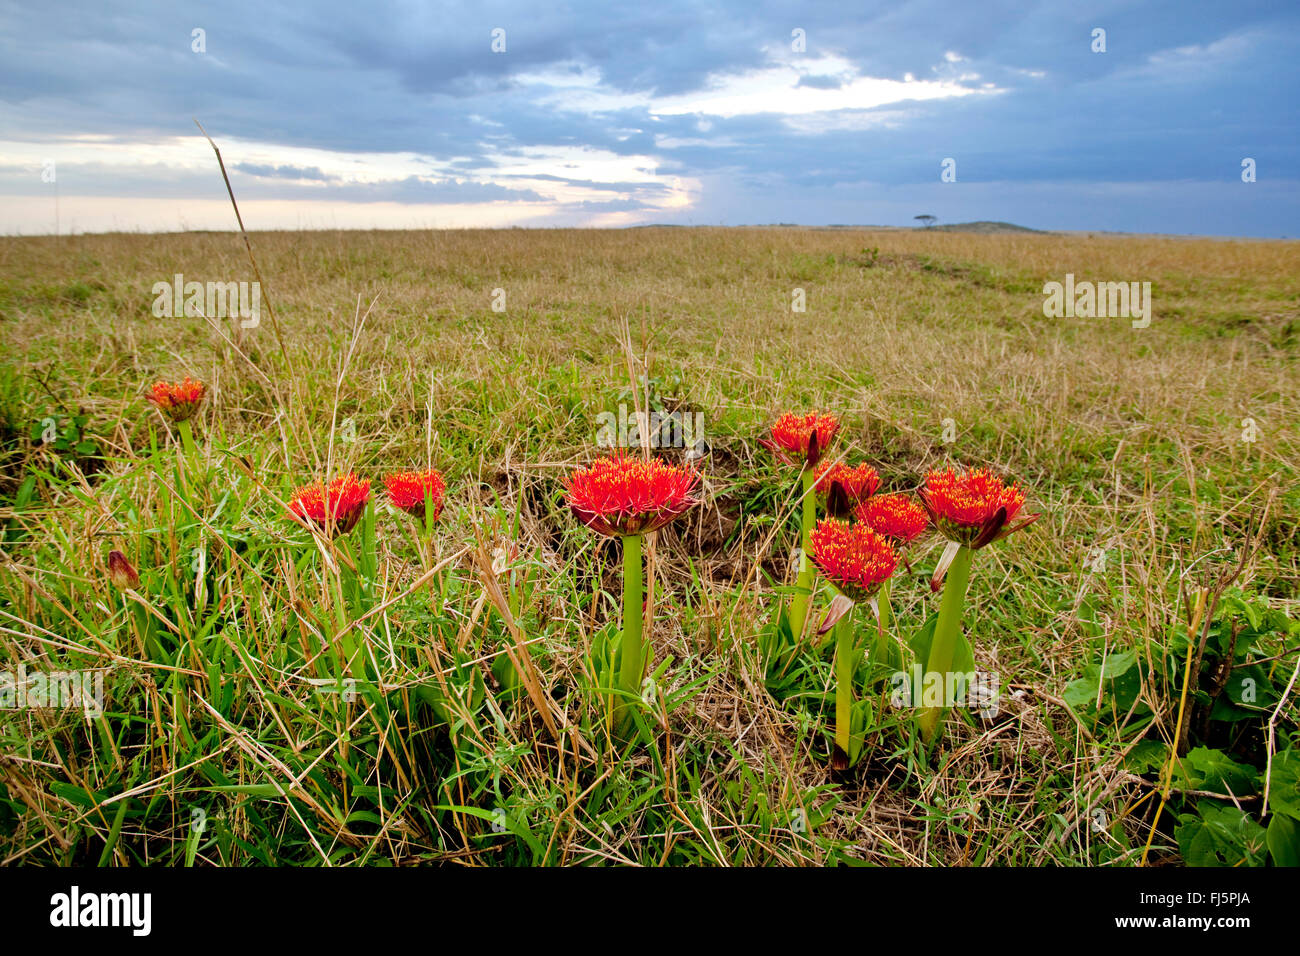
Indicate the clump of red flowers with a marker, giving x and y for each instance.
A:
(334, 509)
(856, 483)
(972, 506)
(852, 557)
(801, 439)
(626, 496)
(177, 400)
(407, 490)
(898, 517)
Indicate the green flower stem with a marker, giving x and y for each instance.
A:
(632, 660)
(428, 515)
(881, 653)
(354, 660)
(340, 613)
(882, 602)
(799, 606)
(187, 440)
(844, 654)
(187, 459)
(946, 631)
(356, 667)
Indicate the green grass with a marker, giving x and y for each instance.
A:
(1127, 440)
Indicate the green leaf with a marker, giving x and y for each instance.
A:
(1117, 665)
(1219, 836)
(72, 793)
(963, 659)
(1250, 609)
(1284, 840)
(1088, 618)
(1146, 756)
(1284, 784)
(885, 657)
(1248, 692)
(1116, 680)
(1206, 769)
(500, 818)
(1082, 694)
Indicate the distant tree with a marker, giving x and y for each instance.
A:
(926, 221)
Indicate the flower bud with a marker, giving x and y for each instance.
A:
(120, 571)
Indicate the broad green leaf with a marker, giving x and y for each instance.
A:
(1284, 784)
(1219, 836)
(1284, 840)
(1206, 769)
(1146, 756)
(962, 657)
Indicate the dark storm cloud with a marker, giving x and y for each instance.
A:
(1183, 92)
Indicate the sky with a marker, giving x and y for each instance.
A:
(382, 114)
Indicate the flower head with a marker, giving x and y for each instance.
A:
(972, 506)
(845, 486)
(625, 495)
(852, 557)
(177, 400)
(334, 509)
(801, 439)
(120, 571)
(407, 490)
(898, 517)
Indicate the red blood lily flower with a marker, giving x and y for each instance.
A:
(852, 557)
(625, 495)
(177, 400)
(801, 439)
(335, 509)
(897, 517)
(845, 486)
(972, 506)
(407, 490)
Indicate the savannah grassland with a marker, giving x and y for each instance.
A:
(1129, 441)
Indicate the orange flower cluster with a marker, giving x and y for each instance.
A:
(177, 400)
(407, 489)
(858, 482)
(625, 495)
(854, 558)
(972, 506)
(801, 439)
(334, 509)
(898, 517)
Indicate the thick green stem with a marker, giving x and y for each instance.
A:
(187, 459)
(428, 514)
(882, 602)
(187, 441)
(633, 660)
(346, 645)
(799, 606)
(355, 664)
(882, 654)
(946, 631)
(843, 681)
